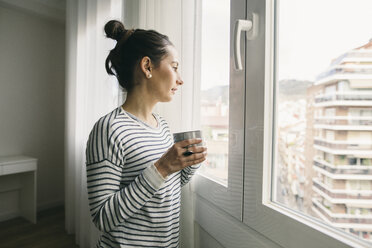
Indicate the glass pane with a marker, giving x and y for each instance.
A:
(215, 86)
(323, 131)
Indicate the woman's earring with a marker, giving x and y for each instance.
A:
(149, 76)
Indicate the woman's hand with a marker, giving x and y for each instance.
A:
(175, 159)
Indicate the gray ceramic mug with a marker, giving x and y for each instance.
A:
(177, 137)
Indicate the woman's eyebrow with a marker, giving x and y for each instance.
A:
(176, 62)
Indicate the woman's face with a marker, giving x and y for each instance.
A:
(166, 78)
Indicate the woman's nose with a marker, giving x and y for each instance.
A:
(179, 81)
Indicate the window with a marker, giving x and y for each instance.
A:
(221, 108)
(330, 135)
(330, 112)
(343, 86)
(328, 182)
(287, 155)
(214, 84)
(328, 157)
(326, 65)
(358, 185)
(330, 89)
(352, 161)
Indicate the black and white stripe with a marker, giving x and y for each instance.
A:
(130, 202)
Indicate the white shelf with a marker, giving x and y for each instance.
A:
(25, 168)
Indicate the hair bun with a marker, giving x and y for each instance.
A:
(115, 30)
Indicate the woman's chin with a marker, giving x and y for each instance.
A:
(167, 98)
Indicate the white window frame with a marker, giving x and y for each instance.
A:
(265, 223)
(207, 187)
(290, 228)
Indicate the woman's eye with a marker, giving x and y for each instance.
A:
(175, 68)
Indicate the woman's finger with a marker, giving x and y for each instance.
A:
(199, 160)
(187, 151)
(194, 157)
(194, 162)
(197, 149)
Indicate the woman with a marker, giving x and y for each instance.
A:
(134, 171)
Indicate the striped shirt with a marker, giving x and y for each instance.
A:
(129, 200)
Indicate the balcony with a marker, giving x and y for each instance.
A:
(346, 98)
(341, 220)
(342, 196)
(350, 145)
(351, 56)
(345, 68)
(343, 147)
(341, 70)
(340, 176)
(343, 170)
(344, 122)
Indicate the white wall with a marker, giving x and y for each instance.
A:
(32, 84)
(204, 239)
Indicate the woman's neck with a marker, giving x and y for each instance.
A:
(140, 106)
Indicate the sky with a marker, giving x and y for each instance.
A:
(310, 34)
(215, 43)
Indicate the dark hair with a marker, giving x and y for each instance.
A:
(132, 45)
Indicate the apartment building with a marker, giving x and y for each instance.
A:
(215, 128)
(342, 143)
(291, 159)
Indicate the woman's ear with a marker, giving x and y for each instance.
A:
(146, 66)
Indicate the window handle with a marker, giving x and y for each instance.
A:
(251, 29)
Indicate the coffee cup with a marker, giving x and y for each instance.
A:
(196, 134)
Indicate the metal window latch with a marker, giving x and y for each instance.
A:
(251, 29)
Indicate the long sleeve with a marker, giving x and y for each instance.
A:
(188, 173)
(110, 204)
